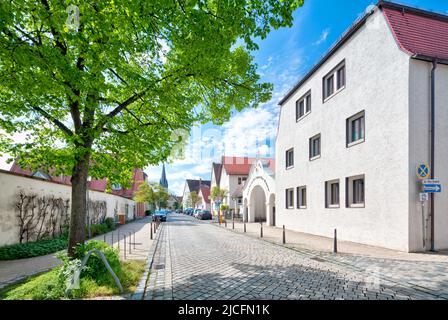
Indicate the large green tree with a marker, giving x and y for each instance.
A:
(106, 93)
(153, 194)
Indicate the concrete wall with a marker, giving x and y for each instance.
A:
(11, 184)
(419, 151)
(377, 78)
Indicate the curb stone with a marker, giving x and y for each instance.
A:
(141, 288)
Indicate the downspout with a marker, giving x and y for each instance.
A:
(432, 157)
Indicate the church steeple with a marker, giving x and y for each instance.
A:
(163, 181)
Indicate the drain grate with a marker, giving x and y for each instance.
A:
(318, 259)
(159, 266)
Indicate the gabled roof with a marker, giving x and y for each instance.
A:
(242, 165)
(418, 32)
(217, 169)
(205, 191)
(193, 185)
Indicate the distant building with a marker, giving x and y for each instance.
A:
(231, 174)
(95, 185)
(190, 186)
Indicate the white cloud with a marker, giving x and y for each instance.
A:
(323, 37)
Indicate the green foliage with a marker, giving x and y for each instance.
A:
(193, 199)
(110, 223)
(32, 249)
(50, 285)
(95, 268)
(216, 193)
(153, 194)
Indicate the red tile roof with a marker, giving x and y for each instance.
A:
(418, 32)
(205, 191)
(97, 185)
(241, 165)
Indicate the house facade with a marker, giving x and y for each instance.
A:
(259, 193)
(231, 174)
(192, 185)
(353, 130)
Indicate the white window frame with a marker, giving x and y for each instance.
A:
(304, 100)
(311, 147)
(349, 129)
(289, 198)
(328, 192)
(290, 166)
(300, 204)
(334, 73)
(350, 192)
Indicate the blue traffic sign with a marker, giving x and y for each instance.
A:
(432, 188)
(422, 171)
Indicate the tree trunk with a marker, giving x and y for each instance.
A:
(77, 233)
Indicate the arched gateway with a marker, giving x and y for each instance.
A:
(259, 193)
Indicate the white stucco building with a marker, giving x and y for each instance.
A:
(353, 130)
(193, 185)
(259, 192)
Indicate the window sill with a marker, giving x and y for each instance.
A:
(304, 116)
(289, 168)
(315, 158)
(290, 208)
(334, 93)
(301, 207)
(354, 143)
(357, 205)
(333, 206)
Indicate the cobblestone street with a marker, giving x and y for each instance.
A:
(197, 260)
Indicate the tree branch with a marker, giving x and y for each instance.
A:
(55, 121)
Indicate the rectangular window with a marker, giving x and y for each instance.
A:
(334, 81)
(289, 198)
(358, 191)
(301, 197)
(303, 106)
(340, 77)
(242, 180)
(315, 146)
(332, 194)
(355, 190)
(356, 129)
(240, 200)
(290, 158)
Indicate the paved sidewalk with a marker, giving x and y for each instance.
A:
(306, 241)
(15, 270)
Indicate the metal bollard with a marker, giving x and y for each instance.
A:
(130, 242)
(105, 238)
(244, 226)
(134, 240)
(151, 231)
(261, 229)
(124, 238)
(225, 222)
(335, 247)
(233, 223)
(112, 240)
(118, 240)
(284, 235)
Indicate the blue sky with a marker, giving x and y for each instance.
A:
(284, 57)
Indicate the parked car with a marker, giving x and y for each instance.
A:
(196, 212)
(159, 215)
(190, 211)
(204, 215)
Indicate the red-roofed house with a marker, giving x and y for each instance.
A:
(204, 194)
(97, 185)
(354, 129)
(231, 174)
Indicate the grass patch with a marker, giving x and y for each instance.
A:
(48, 286)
